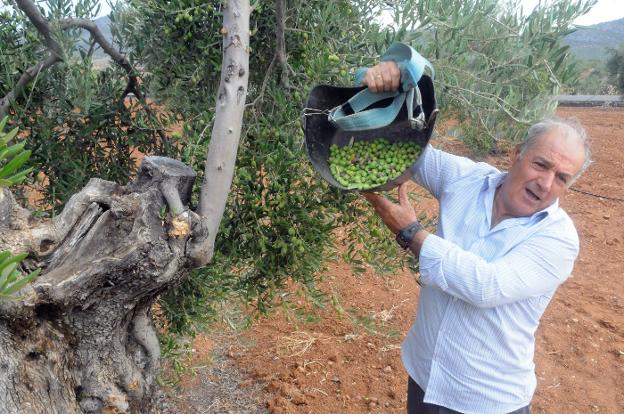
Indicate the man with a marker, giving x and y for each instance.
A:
(502, 247)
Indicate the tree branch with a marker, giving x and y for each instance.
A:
(28, 75)
(280, 42)
(108, 48)
(267, 75)
(56, 53)
(42, 25)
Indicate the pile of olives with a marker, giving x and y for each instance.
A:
(368, 164)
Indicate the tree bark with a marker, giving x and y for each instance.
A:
(219, 168)
(280, 41)
(81, 338)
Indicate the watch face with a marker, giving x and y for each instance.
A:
(406, 235)
(402, 240)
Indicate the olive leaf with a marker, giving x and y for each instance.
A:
(12, 158)
(11, 279)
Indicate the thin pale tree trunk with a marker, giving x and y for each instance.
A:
(226, 132)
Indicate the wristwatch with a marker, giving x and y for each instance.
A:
(405, 236)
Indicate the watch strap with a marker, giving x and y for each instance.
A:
(405, 236)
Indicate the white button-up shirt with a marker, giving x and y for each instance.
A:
(471, 347)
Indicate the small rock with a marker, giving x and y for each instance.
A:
(293, 394)
(274, 386)
(388, 369)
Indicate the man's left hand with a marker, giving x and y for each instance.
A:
(395, 216)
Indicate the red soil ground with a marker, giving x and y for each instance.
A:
(345, 358)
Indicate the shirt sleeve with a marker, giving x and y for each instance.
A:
(534, 267)
(436, 169)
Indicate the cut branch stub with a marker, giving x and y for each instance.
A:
(158, 169)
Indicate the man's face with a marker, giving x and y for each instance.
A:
(542, 174)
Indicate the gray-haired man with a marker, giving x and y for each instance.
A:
(502, 247)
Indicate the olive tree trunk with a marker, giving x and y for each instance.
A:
(81, 338)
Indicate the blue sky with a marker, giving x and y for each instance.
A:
(603, 11)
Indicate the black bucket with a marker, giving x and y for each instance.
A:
(320, 134)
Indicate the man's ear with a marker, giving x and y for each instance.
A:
(515, 153)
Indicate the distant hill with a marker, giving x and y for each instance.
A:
(593, 41)
(103, 23)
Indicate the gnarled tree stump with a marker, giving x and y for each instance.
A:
(81, 338)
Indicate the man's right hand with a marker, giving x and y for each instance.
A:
(383, 77)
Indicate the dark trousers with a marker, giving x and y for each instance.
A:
(415, 404)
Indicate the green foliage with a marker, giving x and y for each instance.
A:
(496, 69)
(593, 79)
(100, 135)
(11, 279)
(77, 123)
(615, 67)
(12, 157)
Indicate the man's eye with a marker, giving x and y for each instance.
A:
(540, 165)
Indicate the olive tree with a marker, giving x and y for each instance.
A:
(80, 339)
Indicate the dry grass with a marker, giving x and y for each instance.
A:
(216, 385)
(297, 344)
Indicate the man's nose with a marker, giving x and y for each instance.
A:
(545, 181)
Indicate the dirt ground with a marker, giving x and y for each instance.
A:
(346, 359)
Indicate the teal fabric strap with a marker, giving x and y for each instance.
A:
(353, 115)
